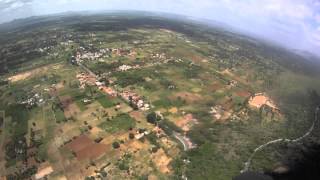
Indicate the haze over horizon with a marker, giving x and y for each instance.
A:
(292, 23)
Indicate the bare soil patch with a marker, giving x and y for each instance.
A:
(70, 109)
(189, 97)
(27, 74)
(79, 143)
(85, 148)
(137, 115)
(95, 131)
(261, 99)
(186, 122)
(173, 110)
(215, 86)
(162, 161)
(93, 151)
(44, 170)
(243, 93)
(233, 76)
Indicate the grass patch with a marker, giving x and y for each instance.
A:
(81, 105)
(20, 116)
(59, 115)
(105, 101)
(120, 122)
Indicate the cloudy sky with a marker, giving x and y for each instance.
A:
(294, 23)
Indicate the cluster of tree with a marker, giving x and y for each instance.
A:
(192, 71)
(25, 174)
(16, 148)
(125, 79)
(2, 82)
(1, 121)
(116, 145)
(132, 104)
(33, 141)
(153, 118)
(152, 138)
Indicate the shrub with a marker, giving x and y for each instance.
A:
(115, 145)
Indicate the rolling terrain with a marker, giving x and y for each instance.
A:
(137, 96)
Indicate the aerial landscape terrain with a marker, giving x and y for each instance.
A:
(136, 96)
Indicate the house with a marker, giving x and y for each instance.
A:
(124, 67)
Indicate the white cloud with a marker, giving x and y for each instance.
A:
(294, 21)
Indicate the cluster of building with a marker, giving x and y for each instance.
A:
(45, 49)
(140, 133)
(86, 79)
(160, 56)
(131, 97)
(135, 99)
(85, 55)
(217, 111)
(108, 90)
(128, 67)
(35, 99)
(121, 51)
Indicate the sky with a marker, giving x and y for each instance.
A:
(292, 23)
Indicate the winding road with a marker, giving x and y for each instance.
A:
(248, 163)
(184, 142)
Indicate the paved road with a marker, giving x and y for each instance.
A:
(87, 69)
(248, 163)
(183, 141)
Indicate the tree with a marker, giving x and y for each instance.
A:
(131, 135)
(115, 145)
(153, 118)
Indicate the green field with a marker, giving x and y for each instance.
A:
(122, 122)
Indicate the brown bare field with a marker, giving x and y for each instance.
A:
(136, 145)
(243, 93)
(85, 148)
(162, 161)
(65, 101)
(225, 116)
(79, 143)
(59, 86)
(70, 108)
(137, 115)
(43, 170)
(95, 131)
(261, 99)
(227, 105)
(108, 139)
(93, 151)
(152, 177)
(214, 87)
(27, 74)
(233, 76)
(186, 122)
(173, 110)
(189, 97)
